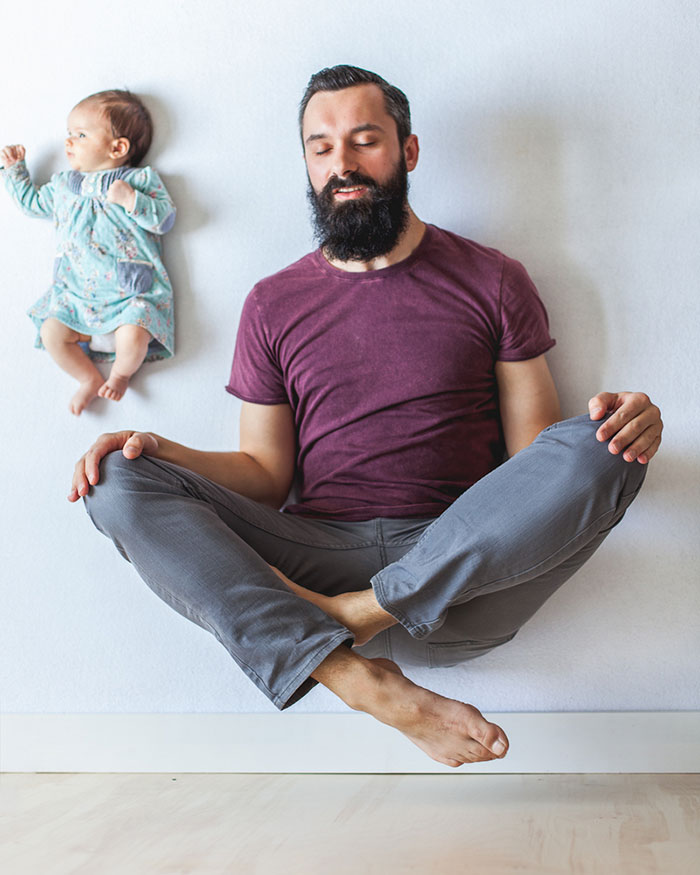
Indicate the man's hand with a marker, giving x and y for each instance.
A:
(87, 470)
(634, 427)
(11, 155)
(122, 193)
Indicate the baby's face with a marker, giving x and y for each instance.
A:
(90, 144)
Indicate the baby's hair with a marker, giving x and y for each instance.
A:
(129, 118)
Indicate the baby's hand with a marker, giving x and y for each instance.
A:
(11, 155)
(122, 193)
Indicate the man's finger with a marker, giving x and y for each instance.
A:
(79, 485)
(640, 445)
(645, 457)
(625, 433)
(133, 447)
(600, 404)
(132, 451)
(92, 467)
(626, 413)
(641, 429)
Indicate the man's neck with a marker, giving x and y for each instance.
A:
(407, 242)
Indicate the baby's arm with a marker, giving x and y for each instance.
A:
(145, 200)
(31, 200)
(120, 192)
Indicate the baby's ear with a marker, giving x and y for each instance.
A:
(121, 147)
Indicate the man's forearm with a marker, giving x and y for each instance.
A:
(237, 471)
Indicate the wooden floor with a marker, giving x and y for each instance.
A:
(482, 824)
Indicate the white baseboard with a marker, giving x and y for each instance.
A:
(627, 742)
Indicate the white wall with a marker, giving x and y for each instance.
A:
(565, 134)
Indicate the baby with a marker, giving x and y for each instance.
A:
(111, 298)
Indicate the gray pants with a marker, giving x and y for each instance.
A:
(459, 584)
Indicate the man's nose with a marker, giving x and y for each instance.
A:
(345, 161)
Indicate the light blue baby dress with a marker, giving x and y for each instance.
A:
(108, 269)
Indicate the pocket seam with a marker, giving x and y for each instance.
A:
(434, 649)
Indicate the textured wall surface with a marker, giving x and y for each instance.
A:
(564, 134)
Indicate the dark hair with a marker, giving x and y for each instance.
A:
(345, 76)
(128, 118)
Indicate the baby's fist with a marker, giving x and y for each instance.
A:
(122, 193)
(11, 155)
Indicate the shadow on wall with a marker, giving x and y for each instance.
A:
(46, 163)
(189, 334)
(522, 202)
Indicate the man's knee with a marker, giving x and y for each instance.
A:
(117, 495)
(591, 459)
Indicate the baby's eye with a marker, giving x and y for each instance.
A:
(81, 136)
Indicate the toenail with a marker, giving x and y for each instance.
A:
(499, 747)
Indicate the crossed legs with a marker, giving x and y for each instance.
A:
(545, 528)
(208, 553)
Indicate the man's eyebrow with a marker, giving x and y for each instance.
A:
(356, 130)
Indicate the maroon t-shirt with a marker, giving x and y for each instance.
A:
(390, 373)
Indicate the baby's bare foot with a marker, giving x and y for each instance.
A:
(114, 387)
(86, 392)
(449, 731)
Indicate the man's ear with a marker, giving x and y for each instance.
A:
(120, 147)
(410, 151)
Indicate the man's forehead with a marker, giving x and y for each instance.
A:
(356, 105)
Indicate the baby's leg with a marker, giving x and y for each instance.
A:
(132, 345)
(62, 343)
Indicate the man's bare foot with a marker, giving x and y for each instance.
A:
(114, 387)
(449, 731)
(87, 390)
(357, 611)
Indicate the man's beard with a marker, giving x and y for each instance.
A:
(363, 229)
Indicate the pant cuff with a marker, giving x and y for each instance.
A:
(302, 682)
(415, 630)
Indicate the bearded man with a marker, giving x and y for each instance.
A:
(388, 374)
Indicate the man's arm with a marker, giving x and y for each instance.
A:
(528, 401)
(263, 469)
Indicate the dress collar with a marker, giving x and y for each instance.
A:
(102, 179)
